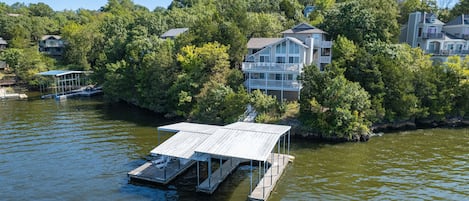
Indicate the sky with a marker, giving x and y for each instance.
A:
(60, 5)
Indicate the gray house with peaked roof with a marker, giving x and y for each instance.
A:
(52, 45)
(173, 33)
(3, 44)
(273, 65)
(440, 40)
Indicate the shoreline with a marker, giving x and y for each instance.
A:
(384, 128)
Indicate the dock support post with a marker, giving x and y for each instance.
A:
(272, 167)
(209, 171)
(250, 178)
(284, 150)
(288, 143)
(263, 184)
(278, 157)
(259, 179)
(198, 174)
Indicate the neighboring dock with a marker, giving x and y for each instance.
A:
(5, 95)
(63, 84)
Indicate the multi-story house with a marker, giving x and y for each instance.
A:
(440, 40)
(173, 33)
(3, 44)
(273, 65)
(52, 45)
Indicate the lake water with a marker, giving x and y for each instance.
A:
(82, 149)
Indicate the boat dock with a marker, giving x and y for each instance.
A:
(267, 145)
(151, 173)
(216, 178)
(65, 84)
(271, 176)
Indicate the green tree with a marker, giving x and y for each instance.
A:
(333, 106)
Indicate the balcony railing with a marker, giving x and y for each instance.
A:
(432, 35)
(288, 85)
(447, 52)
(262, 66)
(325, 59)
(322, 44)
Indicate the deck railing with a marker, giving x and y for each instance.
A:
(325, 59)
(263, 66)
(293, 85)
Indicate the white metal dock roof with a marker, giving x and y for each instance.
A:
(239, 144)
(190, 127)
(181, 145)
(258, 127)
(252, 141)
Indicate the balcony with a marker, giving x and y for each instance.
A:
(432, 36)
(271, 67)
(447, 52)
(325, 59)
(322, 44)
(286, 85)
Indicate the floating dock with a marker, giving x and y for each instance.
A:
(150, 173)
(267, 184)
(211, 184)
(267, 145)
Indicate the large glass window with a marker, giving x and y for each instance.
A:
(263, 58)
(256, 76)
(294, 48)
(288, 77)
(281, 48)
(280, 59)
(293, 60)
(326, 52)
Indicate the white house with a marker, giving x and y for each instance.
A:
(273, 65)
(440, 40)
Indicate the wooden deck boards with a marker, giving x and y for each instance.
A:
(209, 185)
(149, 172)
(268, 182)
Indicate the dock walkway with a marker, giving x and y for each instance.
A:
(267, 184)
(149, 172)
(210, 184)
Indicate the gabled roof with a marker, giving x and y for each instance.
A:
(459, 20)
(428, 19)
(56, 37)
(174, 32)
(3, 42)
(303, 28)
(259, 43)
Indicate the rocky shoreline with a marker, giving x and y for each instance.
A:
(379, 129)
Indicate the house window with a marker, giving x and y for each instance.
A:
(326, 52)
(263, 58)
(275, 76)
(257, 76)
(317, 36)
(294, 48)
(420, 32)
(278, 76)
(293, 60)
(281, 48)
(280, 59)
(288, 77)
